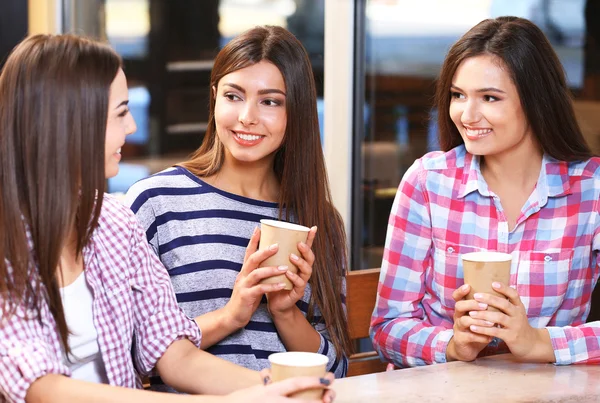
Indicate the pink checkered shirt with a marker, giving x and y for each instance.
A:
(443, 209)
(135, 312)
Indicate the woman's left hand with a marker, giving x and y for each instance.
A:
(523, 341)
(281, 302)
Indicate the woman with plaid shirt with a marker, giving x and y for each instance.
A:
(515, 176)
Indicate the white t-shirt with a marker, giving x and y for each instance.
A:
(85, 359)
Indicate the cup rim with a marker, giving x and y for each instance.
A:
(284, 225)
(298, 359)
(487, 256)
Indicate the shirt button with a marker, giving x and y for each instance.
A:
(548, 258)
(450, 249)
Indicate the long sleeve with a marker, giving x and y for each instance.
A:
(579, 344)
(400, 330)
(28, 350)
(158, 319)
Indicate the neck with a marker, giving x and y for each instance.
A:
(254, 180)
(519, 167)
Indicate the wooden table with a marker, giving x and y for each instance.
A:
(492, 379)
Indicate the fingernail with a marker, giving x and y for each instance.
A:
(478, 295)
(473, 328)
(274, 247)
(496, 285)
(473, 314)
(482, 305)
(282, 268)
(266, 380)
(324, 381)
(465, 287)
(302, 245)
(314, 227)
(281, 285)
(255, 229)
(294, 257)
(487, 322)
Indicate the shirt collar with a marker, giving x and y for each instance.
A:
(552, 182)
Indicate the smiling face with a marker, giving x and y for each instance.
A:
(119, 124)
(250, 112)
(486, 108)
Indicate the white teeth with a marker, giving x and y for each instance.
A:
(477, 132)
(119, 150)
(248, 137)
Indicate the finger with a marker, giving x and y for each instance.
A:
(329, 395)
(257, 258)
(304, 269)
(487, 331)
(253, 244)
(510, 292)
(311, 236)
(265, 376)
(292, 385)
(499, 303)
(296, 280)
(461, 292)
(306, 252)
(491, 316)
(262, 273)
(462, 307)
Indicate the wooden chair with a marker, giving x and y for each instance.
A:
(361, 292)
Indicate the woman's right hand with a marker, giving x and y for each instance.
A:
(277, 392)
(466, 345)
(247, 290)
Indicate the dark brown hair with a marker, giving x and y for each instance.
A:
(54, 93)
(304, 188)
(537, 74)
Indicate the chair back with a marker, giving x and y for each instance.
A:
(361, 293)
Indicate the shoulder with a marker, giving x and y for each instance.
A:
(166, 182)
(589, 168)
(440, 160)
(116, 219)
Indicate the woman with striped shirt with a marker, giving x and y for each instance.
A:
(261, 158)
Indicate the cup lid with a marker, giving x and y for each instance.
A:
(284, 225)
(486, 256)
(298, 359)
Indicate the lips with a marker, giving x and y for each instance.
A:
(473, 133)
(247, 139)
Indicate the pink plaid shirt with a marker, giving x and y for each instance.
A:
(135, 312)
(443, 209)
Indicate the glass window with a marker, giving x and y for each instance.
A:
(405, 45)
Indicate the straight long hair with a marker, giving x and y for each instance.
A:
(299, 165)
(537, 74)
(54, 93)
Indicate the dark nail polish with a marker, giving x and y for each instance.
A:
(266, 380)
(324, 381)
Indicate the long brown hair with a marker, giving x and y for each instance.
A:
(536, 72)
(54, 93)
(304, 188)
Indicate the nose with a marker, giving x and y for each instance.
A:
(470, 113)
(131, 126)
(248, 115)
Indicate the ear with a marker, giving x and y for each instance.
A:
(214, 91)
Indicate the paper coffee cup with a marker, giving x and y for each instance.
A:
(481, 269)
(295, 363)
(287, 235)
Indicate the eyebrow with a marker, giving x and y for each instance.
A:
(124, 103)
(486, 89)
(260, 92)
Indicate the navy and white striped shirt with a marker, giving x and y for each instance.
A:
(200, 233)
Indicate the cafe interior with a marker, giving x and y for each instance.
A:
(375, 63)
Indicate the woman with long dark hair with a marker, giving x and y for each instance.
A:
(515, 175)
(261, 158)
(84, 301)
